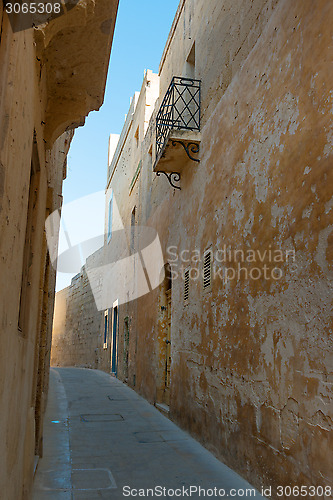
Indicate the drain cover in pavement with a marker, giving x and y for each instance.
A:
(159, 436)
(92, 479)
(148, 437)
(98, 417)
(117, 398)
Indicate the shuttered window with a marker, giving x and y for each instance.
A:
(186, 284)
(207, 270)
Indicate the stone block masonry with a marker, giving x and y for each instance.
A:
(77, 338)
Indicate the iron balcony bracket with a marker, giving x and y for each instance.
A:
(190, 146)
(173, 177)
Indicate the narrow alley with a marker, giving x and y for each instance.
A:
(102, 440)
(166, 249)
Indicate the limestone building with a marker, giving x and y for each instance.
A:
(226, 154)
(50, 78)
(77, 333)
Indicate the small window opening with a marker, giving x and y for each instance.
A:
(190, 63)
(110, 218)
(186, 284)
(133, 217)
(137, 136)
(207, 271)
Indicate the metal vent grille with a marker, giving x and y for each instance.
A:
(186, 284)
(207, 271)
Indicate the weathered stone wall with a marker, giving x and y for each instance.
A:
(35, 88)
(222, 33)
(77, 337)
(251, 370)
(27, 278)
(78, 329)
(251, 358)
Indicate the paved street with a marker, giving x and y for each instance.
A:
(100, 436)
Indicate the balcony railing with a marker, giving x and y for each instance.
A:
(180, 110)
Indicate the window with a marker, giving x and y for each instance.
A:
(137, 136)
(207, 270)
(126, 345)
(114, 341)
(133, 214)
(190, 63)
(186, 284)
(105, 343)
(110, 218)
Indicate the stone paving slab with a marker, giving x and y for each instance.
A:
(100, 436)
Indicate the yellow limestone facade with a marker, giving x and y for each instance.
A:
(235, 344)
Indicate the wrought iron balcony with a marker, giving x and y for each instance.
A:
(178, 123)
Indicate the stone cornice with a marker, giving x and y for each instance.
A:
(75, 50)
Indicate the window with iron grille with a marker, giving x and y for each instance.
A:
(179, 110)
(207, 270)
(186, 284)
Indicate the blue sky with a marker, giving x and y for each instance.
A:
(141, 31)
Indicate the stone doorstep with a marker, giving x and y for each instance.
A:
(163, 408)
